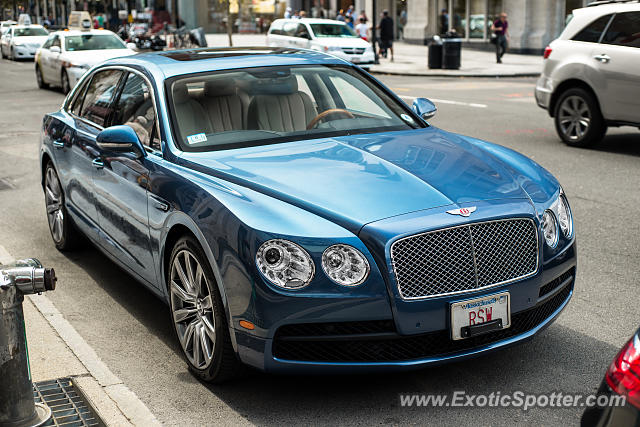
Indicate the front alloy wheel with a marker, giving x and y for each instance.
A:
(197, 314)
(63, 232)
(578, 119)
(41, 83)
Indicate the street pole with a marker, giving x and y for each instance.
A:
(374, 37)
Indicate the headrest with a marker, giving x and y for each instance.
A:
(220, 87)
(275, 86)
(180, 93)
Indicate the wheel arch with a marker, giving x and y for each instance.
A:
(566, 85)
(44, 161)
(182, 225)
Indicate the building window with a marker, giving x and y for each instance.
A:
(470, 19)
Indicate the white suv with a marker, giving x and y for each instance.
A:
(591, 75)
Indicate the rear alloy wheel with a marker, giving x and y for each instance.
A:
(64, 79)
(578, 119)
(40, 80)
(197, 314)
(63, 232)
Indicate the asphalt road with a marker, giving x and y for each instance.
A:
(130, 330)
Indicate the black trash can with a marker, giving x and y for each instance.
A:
(435, 53)
(451, 52)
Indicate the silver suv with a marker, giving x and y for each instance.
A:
(591, 75)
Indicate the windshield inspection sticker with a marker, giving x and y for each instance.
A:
(194, 139)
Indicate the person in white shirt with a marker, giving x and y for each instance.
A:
(362, 30)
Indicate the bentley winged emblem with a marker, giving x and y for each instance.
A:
(462, 211)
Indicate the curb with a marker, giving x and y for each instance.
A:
(109, 396)
(456, 74)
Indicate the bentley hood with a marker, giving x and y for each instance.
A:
(355, 180)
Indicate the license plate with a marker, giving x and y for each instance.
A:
(480, 315)
(355, 60)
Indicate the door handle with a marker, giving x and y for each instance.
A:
(58, 144)
(602, 58)
(97, 163)
(160, 204)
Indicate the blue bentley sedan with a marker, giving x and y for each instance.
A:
(297, 216)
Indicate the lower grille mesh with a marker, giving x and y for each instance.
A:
(394, 347)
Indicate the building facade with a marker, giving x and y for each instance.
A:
(532, 23)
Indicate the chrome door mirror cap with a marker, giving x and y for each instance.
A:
(54, 49)
(424, 108)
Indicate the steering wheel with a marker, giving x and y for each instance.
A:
(329, 112)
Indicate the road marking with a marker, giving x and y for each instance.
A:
(126, 400)
(447, 101)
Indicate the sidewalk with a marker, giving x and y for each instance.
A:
(57, 351)
(411, 60)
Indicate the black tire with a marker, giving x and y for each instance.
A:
(65, 87)
(3, 55)
(63, 231)
(12, 55)
(41, 83)
(578, 119)
(223, 365)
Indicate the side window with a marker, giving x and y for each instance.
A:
(624, 30)
(96, 106)
(135, 109)
(592, 32)
(276, 28)
(289, 28)
(76, 104)
(48, 43)
(302, 31)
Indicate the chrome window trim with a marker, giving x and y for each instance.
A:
(124, 68)
(466, 291)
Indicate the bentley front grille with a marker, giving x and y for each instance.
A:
(465, 258)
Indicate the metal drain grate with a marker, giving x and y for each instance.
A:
(68, 407)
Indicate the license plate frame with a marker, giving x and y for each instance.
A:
(460, 318)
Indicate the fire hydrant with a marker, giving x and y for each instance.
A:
(17, 406)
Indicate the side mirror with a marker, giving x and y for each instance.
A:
(132, 46)
(120, 139)
(424, 108)
(55, 49)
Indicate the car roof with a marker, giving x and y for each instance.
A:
(586, 15)
(80, 32)
(27, 26)
(314, 21)
(178, 62)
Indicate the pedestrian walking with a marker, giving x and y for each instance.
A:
(386, 34)
(340, 16)
(444, 21)
(287, 13)
(500, 28)
(362, 29)
(349, 21)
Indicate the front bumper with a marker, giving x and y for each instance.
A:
(25, 52)
(360, 346)
(543, 91)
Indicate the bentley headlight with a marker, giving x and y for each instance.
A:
(285, 264)
(564, 216)
(550, 228)
(345, 265)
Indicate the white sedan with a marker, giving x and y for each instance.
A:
(325, 35)
(67, 55)
(22, 41)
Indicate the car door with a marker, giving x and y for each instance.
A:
(289, 38)
(121, 182)
(617, 59)
(84, 155)
(53, 64)
(43, 58)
